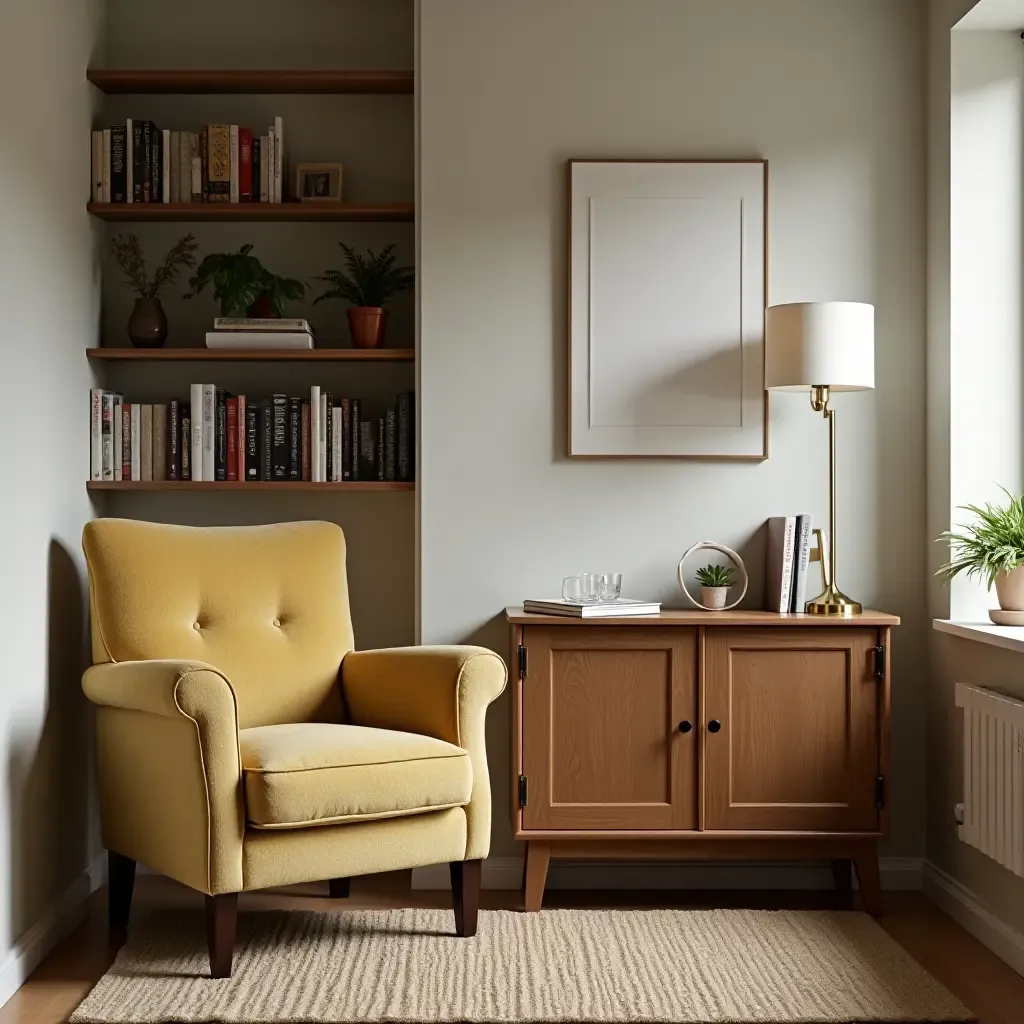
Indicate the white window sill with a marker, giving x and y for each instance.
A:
(1010, 638)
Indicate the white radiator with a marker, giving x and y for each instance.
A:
(992, 814)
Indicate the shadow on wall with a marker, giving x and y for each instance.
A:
(48, 769)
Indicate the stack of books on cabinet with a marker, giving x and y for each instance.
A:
(215, 436)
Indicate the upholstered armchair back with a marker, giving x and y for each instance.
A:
(266, 605)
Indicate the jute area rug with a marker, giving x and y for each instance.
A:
(556, 965)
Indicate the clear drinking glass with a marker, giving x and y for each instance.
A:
(609, 586)
(572, 589)
(590, 582)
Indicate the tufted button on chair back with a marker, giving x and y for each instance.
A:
(266, 605)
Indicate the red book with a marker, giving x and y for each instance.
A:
(232, 459)
(240, 422)
(245, 165)
(126, 441)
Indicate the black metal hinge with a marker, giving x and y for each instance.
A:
(880, 791)
(522, 790)
(522, 662)
(880, 662)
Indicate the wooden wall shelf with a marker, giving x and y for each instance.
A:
(280, 82)
(252, 355)
(284, 486)
(292, 211)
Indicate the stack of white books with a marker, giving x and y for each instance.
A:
(592, 609)
(256, 332)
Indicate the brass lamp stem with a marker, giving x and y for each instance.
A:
(831, 601)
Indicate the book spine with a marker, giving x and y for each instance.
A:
(196, 438)
(156, 172)
(166, 159)
(279, 460)
(129, 162)
(138, 161)
(147, 161)
(801, 563)
(204, 163)
(304, 430)
(346, 439)
(196, 165)
(278, 160)
(185, 445)
(118, 171)
(404, 426)
(96, 434)
(219, 157)
(136, 441)
(367, 435)
(354, 438)
(159, 442)
(231, 414)
(97, 166)
(322, 440)
(146, 442)
(105, 191)
(233, 143)
(389, 445)
(336, 445)
(327, 405)
(252, 426)
(266, 439)
(175, 169)
(245, 165)
(294, 439)
(256, 170)
(118, 438)
(240, 438)
(209, 427)
(265, 168)
(314, 434)
(107, 436)
(185, 167)
(379, 453)
(270, 165)
(220, 452)
(788, 551)
(126, 441)
(174, 440)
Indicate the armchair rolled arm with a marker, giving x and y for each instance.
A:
(437, 691)
(170, 780)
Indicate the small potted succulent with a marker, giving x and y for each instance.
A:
(147, 325)
(715, 581)
(367, 282)
(243, 286)
(992, 549)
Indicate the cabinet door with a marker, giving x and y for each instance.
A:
(603, 746)
(798, 743)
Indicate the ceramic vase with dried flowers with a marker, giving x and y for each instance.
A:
(147, 325)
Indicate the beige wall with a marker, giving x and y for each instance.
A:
(49, 295)
(832, 94)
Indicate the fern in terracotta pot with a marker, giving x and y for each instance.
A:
(991, 549)
(367, 282)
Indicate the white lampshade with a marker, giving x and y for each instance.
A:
(814, 343)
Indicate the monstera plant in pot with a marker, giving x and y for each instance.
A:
(367, 282)
(243, 286)
(992, 549)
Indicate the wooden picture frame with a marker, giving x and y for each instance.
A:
(667, 291)
(318, 183)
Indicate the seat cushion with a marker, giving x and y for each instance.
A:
(302, 775)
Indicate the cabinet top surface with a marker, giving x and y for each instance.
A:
(515, 615)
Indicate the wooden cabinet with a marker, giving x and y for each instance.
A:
(726, 736)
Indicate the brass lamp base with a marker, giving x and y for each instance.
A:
(835, 603)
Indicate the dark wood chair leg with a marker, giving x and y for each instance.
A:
(842, 872)
(221, 921)
(465, 895)
(339, 888)
(870, 880)
(120, 883)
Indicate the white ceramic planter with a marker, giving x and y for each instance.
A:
(713, 599)
(1010, 589)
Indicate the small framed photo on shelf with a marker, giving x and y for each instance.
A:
(318, 183)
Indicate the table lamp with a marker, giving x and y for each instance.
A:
(821, 347)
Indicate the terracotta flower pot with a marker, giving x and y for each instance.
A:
(147, 325)
(367, 325)
(1010, 589)
(264, 309)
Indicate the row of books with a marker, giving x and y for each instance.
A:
(138, 162)
(215, 435)
(787, 558)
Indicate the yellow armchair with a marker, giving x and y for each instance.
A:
(242, 743)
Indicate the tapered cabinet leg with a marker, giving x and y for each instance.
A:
(535, 874)
(866, 862)
(120, 883)
(465, 895)
(842, 872)
(339, 888)
(221, 922)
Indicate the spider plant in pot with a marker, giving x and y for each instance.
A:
(147, 325)
(243, 286)
(992, 550)
(367, 282)
(715, 581)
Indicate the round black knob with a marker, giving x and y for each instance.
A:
(685, 726)
(714, 725)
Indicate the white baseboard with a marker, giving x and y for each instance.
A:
(971, 914)
(507, 873)
(57, 922)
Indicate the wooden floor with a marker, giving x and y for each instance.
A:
(986, 984)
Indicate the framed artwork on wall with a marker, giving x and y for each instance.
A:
(667, 289)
